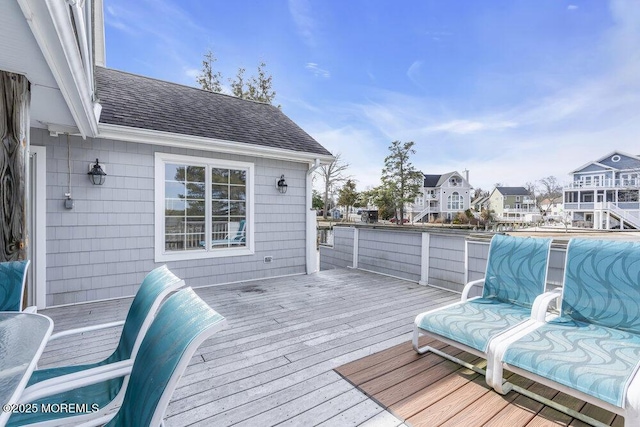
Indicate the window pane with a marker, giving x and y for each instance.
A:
(195, 174)
(174, 225)
(238, 177)
(219, 230)
(174, 190)
(195, 190)
(174, 172)
(195, 208)
(220, 208)
(238, 193)
(186, 214)
(219, 192)
(220, 175)
(174, 207)
(237, 208)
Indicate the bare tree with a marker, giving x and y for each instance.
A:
(332, 175)
(551, 190)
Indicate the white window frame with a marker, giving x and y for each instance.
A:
(159, 182)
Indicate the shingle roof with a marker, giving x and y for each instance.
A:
(146, 103)
(431, 181)
(513, 191)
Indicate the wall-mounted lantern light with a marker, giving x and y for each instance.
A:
(281, 185)
(96, 173)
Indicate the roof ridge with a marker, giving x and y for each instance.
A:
(184, 86)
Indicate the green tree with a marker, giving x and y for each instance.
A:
(382, 198)
(208, 79)
(316, 200)
(348, 196)
(257, 88)
(400, 176)
(332, 175)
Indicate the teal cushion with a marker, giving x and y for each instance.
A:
(516, 269)
(595, 360)
(475, 322)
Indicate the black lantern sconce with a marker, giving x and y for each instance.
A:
(281, 185)
(96, 173)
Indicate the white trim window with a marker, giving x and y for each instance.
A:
(454, 202)
(203, 207)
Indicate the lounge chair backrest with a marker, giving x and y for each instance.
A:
(516, 269)
(183, 322)
(13, 276)
(240, 235)
(156, 285)
(602, 283)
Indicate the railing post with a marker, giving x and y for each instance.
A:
(356, 234)
(424, 259)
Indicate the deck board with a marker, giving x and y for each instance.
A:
(291, 342)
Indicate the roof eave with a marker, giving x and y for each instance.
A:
(168, 139)
(51, 26)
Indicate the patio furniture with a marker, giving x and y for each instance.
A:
(23, 337)
(238, 239)
(592, 350)
(183, 323)
(13, 276)
(159, 283)
(515, 275)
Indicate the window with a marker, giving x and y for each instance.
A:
(454, 202)
(203, 207)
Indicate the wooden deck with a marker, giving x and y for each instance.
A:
(273, 364)
(428, 390)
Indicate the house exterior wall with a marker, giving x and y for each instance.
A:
(104, 246)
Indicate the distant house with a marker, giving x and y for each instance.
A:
(513, 204)
(480, 203)
(604, 194)
(441, 197)
(191, 175)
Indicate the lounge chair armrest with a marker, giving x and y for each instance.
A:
(541, 304)
(76, 380)
(30, 309)
(468, 287)
(86, 329)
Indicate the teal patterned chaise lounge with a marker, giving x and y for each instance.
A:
(592, 350)
(516, 274)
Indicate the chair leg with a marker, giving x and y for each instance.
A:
(416, 345)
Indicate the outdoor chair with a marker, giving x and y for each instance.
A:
(238, 239)
(13, 277)
(515, 275)
(155, 287)
(183, 323)
(592, 350)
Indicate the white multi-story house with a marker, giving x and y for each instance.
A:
(442, 197)
(604, 194)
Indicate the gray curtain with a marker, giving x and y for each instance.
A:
(14, 131)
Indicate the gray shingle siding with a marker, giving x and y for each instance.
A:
(105, 245)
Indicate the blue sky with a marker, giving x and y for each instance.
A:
(512, 90)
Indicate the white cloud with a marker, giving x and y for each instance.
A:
(414, 71)
(303, 18)
(572, 7)
(469, 126)
(317, 71)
